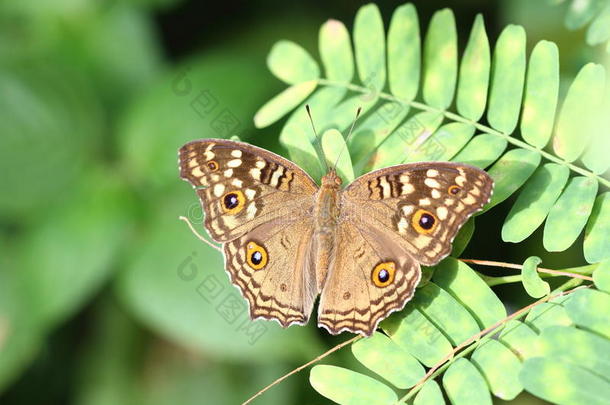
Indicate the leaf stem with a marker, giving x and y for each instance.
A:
(477, 125)
(309, 363)
(583, 270)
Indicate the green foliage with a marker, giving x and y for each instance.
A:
(546, 156)
(595, 14)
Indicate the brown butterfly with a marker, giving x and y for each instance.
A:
(286, 240)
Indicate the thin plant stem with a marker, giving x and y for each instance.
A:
(296, 370)
(520, 266)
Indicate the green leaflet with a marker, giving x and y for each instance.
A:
(601, 276)
(510, 172)
(445, 313)
(571, 384)
(574, 126)
(507, 79)
(373, 129)
(500, 367)
(430, 394)
(406, 140)
(369, 42)
(404, 53)
(334, 148)
(465, 385)
(291, 63)
(443, 144)
(482, 150)
(576, 346)
(517, 336)
(462, 238)
(474, 73)
(579, 14)
(458, 279)
(597, 232)
(297, 135)
(534, 285)
(440, 60)
(336, 51)
(599, 31)
(595, 157)
(380, 354)
(411, 330)
(541, 91)
(342, 115)
(283, 103)
(549, 314)
(534, 202)
(579, 309)
(569, 215)
(347, 387)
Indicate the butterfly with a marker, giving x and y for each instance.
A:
(286, 240)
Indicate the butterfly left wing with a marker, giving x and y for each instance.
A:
(424, 204)
(372, 275)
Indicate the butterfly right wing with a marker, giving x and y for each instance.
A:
(242, 186)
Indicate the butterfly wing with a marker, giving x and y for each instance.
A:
(260, 206)
(371, 277)
(242, 186)
(423, 204)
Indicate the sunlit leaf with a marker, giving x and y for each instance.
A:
(291, 63)
(462, 238)
(369, 43)
(519, 338)
(336, 51)
(534, 285)
(430, 394)
(347, 387)
(597, 232)
(482, 150)
(335, 151)
(500, 367)
(443, 144)
(580, 310)
(440, 60)
(465, 385)
(550, 313)
(534, 202)
(404, 53)
(283, 103)
(601, 276)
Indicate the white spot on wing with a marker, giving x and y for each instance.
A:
(234, 163)
(442, 212)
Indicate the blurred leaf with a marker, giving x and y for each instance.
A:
(470, 290)
(597, 232)
(336, 51)
(599, 31)
(541, 91)
(482, 150)
(500, 367)
(176, 286)
(570, 384)
(369, 44)
(474, 73)
(465, 385)
(283, 103)
(380, 354)
(291, 63)
(534, 285)
(534, 202)
(404, 53)
(440, 60)
(510, 172)
(580, 13)
(347, 387)
(569, 215)
(579, 309)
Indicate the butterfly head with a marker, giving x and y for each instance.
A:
(331, 180)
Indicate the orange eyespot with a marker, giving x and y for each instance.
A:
(424, 221)
(233, 202)
(453, 190)
(256, 255)
(383, 274)
(212, 165)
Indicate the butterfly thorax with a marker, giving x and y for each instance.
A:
(326, 217)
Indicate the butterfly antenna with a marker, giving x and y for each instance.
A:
(318, 143)
(358, 111)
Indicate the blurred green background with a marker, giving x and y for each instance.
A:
(105, 297)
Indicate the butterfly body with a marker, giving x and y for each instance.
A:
(287, 240)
